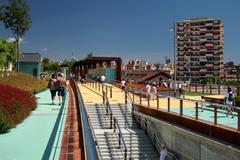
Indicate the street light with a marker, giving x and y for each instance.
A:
(174, 56)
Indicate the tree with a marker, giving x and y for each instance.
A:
(45, 61)
(7, 54)
(16, 17)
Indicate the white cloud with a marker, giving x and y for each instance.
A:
(44, 49)
(12, 39)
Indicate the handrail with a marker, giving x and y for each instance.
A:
(152, 132)
(120, 137)
(90, 152)
(129, 89)
(96, 141)
(108, 109)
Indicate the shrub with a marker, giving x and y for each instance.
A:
(25, 82)
(15, 105)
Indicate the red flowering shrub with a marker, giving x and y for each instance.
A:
(15, 105)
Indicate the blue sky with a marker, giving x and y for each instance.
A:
(127, 28)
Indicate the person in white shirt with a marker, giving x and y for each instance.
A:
(123, 83)
(102, 79)
(148, 89)
(154, 90)
(229, 101)
(163, 153)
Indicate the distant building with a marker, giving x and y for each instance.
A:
(200, 49)
(231, 72)
(30, 63)
(138, 65)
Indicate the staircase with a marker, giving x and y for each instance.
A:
(139, 145)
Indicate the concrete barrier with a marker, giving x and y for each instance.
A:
(188, 145)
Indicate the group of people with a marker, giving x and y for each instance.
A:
(148, 90)
(57, 84)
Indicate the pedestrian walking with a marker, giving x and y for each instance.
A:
(154, 90)
(61, 88)
(123, 84)
(52, 85)
(148, 90)
(229, 101)
(163, 153)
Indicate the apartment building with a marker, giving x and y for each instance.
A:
(199, 49)
(231, 72)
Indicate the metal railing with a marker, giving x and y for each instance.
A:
(120, 137)
(90, 151)
(148, 128)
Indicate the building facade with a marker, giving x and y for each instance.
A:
(30, 63)
(199, 49)
(231, 72)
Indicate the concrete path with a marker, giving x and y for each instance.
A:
(29, 140)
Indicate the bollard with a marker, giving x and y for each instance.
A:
(196, 110)
(168, 104)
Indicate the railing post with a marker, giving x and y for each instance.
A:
(106, 91)
(133, 97)
(210, 89)
(114, 124)
(125, 97)
(219, 89)
(196, 87)
(139, 119)
(146, 126)
(203, 88)
(119, 139)
(189, 88)
(157, 101)
(196, 110)
(125, 154)
(98, 87)
(103, 97)
(140, 98)
(181, 107)
(111, 121)
(168, 99)
(238, 119)
(148, 99)
(110, 92)
(102, 87)
(215, 114)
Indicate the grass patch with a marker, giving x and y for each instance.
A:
(24, 81)
(196, 94)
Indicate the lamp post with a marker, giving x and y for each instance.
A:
(174, 56)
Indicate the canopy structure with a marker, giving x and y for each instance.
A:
(81, 67)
